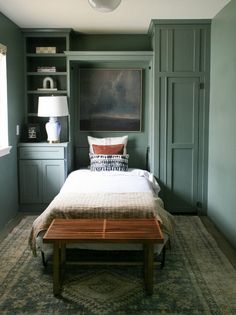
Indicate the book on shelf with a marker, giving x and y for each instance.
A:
(46, 69)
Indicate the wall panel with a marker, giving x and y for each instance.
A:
(181, 72)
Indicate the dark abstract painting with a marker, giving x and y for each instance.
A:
(110, 99)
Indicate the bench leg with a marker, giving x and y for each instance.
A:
(148, 267)
(163, 257)
(56, 269)
(62, 260)
(43, 259)
(63, 254)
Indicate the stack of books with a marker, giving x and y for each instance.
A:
(45, 50)
(46, 69)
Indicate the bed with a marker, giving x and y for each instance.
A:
(86, 194)
(108, 189)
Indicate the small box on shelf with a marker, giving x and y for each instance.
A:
(46, 69)
(45, 50)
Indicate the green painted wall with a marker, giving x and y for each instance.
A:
(222, 131)
(138, 141)
(105, 42)
(10, 35)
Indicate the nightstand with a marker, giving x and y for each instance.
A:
(43, 169)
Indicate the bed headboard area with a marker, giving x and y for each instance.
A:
(138, 157)
(112, 99)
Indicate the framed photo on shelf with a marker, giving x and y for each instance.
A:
(110, 99)
(33, 132)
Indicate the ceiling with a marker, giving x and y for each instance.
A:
(132, 16)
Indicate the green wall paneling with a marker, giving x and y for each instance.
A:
(110, 42)
(181, 96)
(138, 141)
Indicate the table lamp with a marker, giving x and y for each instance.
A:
(53, 107)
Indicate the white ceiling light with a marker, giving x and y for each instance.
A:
(104, 5)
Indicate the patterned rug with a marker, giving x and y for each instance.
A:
(197, 279)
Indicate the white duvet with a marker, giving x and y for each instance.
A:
(135, 180)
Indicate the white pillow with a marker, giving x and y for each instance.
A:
(107, 141)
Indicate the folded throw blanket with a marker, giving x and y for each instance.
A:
(102, 205)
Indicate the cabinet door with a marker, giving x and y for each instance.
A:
(182, 143)
(53, 178)
(30, 181)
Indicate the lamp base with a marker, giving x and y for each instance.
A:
(53, 128)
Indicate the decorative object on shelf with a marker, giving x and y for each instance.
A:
(104, 5)
(46, 69)
(53, 107)
(33, 133)
(48, 85)
(110, 99)
(45, 50)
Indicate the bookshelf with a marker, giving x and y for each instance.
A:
(45, 58)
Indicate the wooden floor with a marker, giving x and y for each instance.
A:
(224, 245)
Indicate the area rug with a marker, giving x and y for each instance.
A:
(197, 279)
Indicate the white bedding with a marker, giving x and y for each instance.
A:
(135, 180)
(84, 181)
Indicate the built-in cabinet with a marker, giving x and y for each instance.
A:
(43, 169)
(181, 96)
(46, 73)
(174, 113)
(138, 141)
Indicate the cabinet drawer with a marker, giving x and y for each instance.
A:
(41, 152)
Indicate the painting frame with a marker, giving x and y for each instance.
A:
(110, 99)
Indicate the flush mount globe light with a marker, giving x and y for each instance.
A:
(104, 5)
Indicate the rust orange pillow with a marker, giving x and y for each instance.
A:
(108, 149)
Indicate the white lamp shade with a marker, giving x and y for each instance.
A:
(104, 5)
(52, 106)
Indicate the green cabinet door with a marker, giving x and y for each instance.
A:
(53, 176)
(40, 180)
(182, 143)
(180, 122)
(43, 169)
(30, 172)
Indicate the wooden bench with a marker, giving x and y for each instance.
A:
(62, 232)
